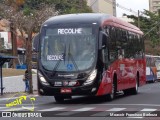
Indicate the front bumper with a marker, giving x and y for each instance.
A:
(56, 91)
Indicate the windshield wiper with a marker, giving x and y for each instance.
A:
(72, 59)
(58, 62)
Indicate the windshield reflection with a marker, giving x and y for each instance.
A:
(71, 50)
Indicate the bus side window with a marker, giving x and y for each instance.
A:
(112, 47)
(105, 51)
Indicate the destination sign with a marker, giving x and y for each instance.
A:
(68, 31)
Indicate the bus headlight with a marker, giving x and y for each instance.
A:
(42, 79)
(91, 77)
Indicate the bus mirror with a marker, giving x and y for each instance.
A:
(36, 42)
(102, 40)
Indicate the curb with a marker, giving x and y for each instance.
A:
(7, 95)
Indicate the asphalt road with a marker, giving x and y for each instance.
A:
(146, 102)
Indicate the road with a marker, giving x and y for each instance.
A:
(146, 101)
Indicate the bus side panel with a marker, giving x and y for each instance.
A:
(142, 72)
(106, 84)
(126, 71)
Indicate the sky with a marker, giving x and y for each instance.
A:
(132, 4)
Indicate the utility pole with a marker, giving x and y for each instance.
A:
(138, 19)
(114, 8)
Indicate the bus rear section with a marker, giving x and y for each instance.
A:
(150, 74)
(152, 68)
(89, 54)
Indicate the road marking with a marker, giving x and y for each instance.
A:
(84, 109)
(107, 112)
(2, 108)
(16, 109)
(75, 111)
(150, 110)
(53, 109)
(132, 104)
(116, 109)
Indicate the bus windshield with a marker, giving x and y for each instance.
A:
(68, 52)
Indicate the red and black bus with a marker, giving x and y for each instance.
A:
(89, 54)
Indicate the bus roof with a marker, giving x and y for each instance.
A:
(99, 18)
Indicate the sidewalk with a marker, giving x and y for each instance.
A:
(16, 84)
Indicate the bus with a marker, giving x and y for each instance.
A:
(152, 68)
(89, 54)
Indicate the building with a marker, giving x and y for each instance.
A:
(154, 5)
(103, 6)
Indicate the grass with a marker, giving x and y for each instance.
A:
(6, 72)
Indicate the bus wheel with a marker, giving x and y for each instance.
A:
(59, 99)
(153, 80)
(134, 90)
(111, 96)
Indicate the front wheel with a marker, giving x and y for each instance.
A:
(59, 99)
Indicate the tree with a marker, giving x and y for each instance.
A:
(61, 6)
(9, 13)
(149, 24)
(28, 22)
(28, 15)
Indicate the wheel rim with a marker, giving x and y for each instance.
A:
(112, 93)
(136, 86)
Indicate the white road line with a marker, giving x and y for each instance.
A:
(116, 109)
(16, 109)
(53, 109)
(68, 113)
(132, 104)
(84, 109)
(2, 99)
(148, 110)
(1, 108)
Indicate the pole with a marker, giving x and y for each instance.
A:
(138, 20)
(1, 80)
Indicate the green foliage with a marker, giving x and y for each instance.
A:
(62, 6)
(149, 24)
(27, 11)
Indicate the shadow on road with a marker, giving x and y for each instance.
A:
(92, 99)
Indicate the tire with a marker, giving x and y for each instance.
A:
(153, 80)
(134, 90)
(59, 99)
(127, 92)
(111, 96)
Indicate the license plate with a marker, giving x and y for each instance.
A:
(66, 90)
